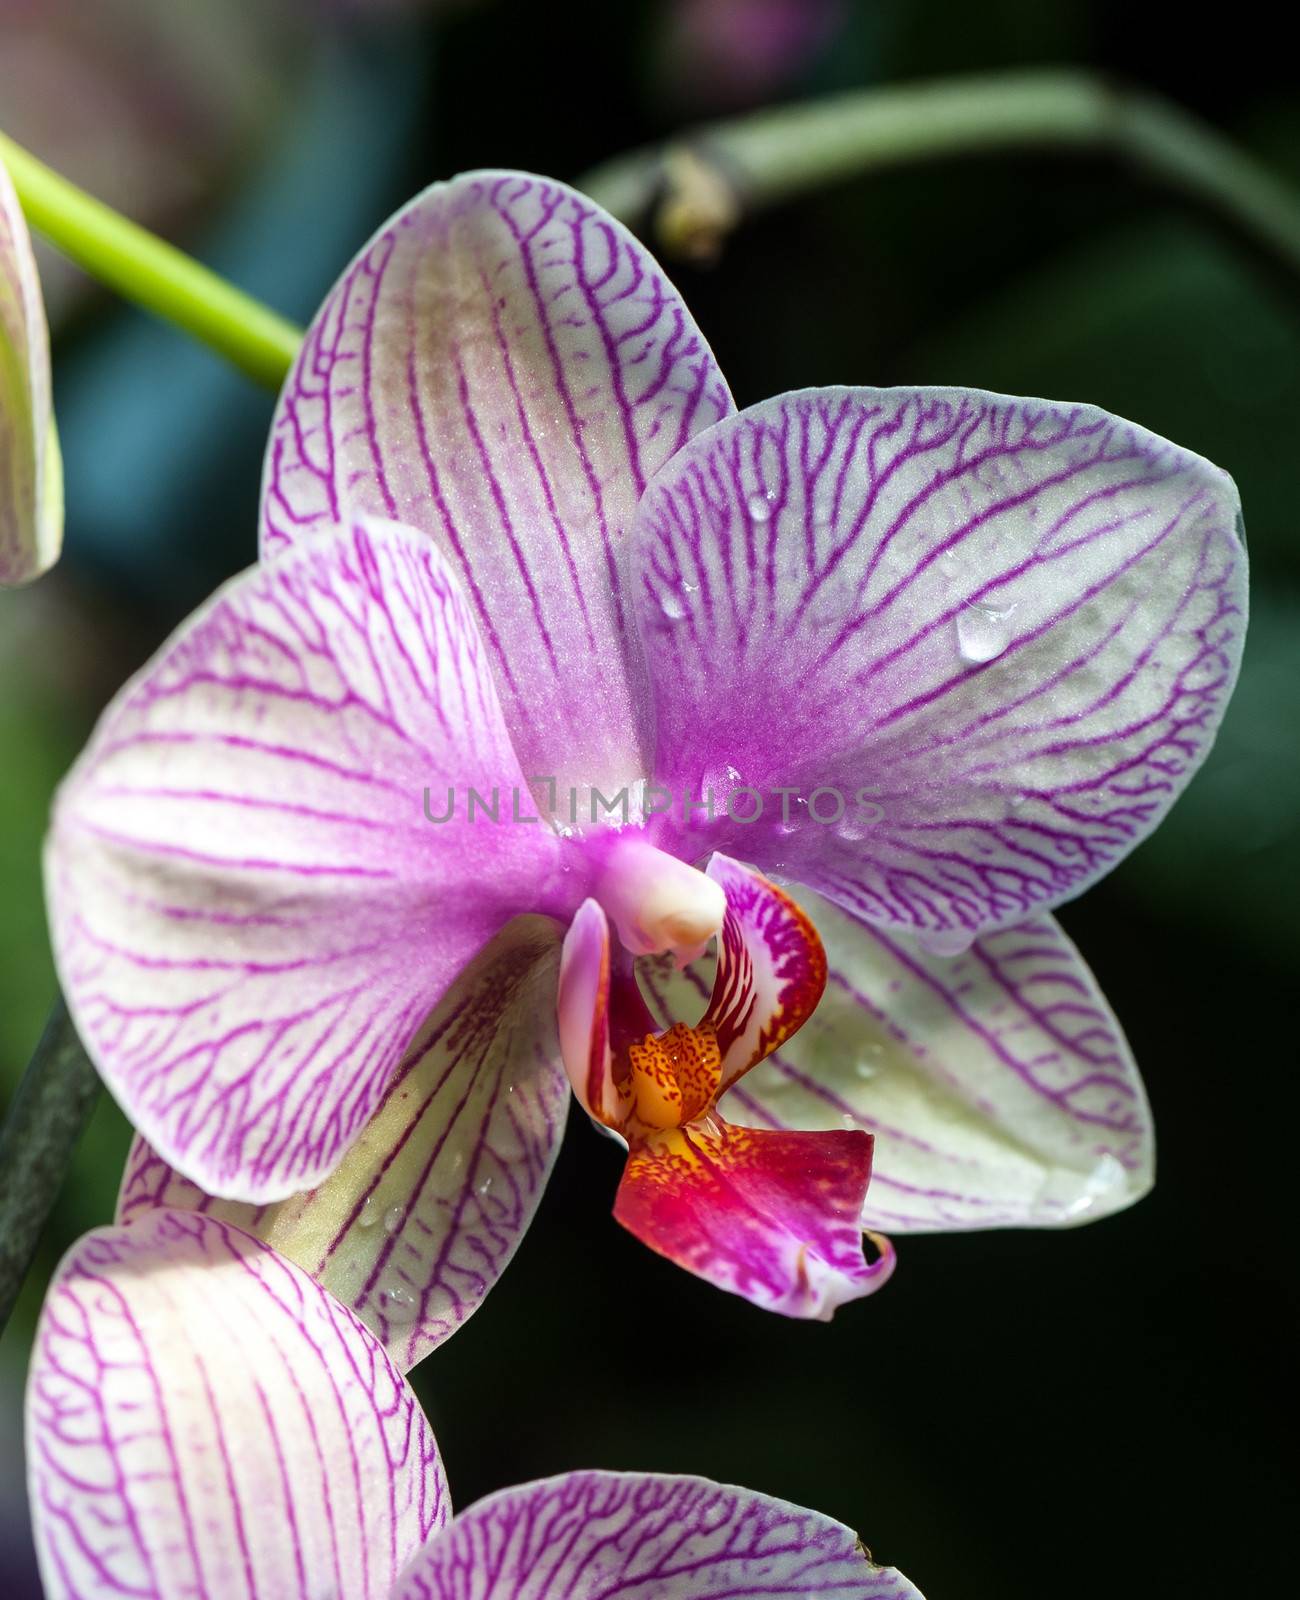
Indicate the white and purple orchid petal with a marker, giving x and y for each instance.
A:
(505, 367)
(980, 643)
(202, 1419)
(431, 1200)
(997, 1084)
(600, 1008)
(620, 1535)
(31, 474)
(770, 973)
(773, 1216)
(252, 914)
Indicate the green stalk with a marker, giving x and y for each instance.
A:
(703, 182)
(154, 274)
(46, 1117)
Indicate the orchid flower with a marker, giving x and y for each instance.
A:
(31, 477)
(203, 1418)
(342, 888)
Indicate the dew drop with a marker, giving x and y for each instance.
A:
(369, 1213)
(393, 1218)
(1108, 1175)
(399, 1303)
(733, 775)
(983, 633)
(850, 1123)
(672, 607)
(859, 820)
(485, 1186)
(950, 564)
(946, 941)
(759, 507)
(868, 1063)
(1017, 800)
(1098, 1188)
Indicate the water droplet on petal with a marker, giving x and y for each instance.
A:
(983, 632)
(850, 1123)
(759, 507)
(734, 776)
(1099, 1187)
(393, 1218)
(946, 941)
(398, 1303)
(950, 564)
(1017, 800)
(672, 607)
(369, 1213)
(485, 1186)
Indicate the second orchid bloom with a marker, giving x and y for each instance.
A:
(203, 1419)
(912, 666)
(31, 469)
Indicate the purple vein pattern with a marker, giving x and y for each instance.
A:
(632, 1536)
(504, 367)
(1013, 624)
(204, 1420)
(998, 1085)
(428, 1206)
(252, 915)
(31, 486)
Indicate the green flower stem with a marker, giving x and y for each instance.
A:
(152, 273)
(49, 1111)
(698, 187)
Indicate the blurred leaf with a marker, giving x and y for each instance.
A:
(1228, 851)
(1162, 323)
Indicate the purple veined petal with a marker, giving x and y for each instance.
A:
(430, 1202)
(582, 1004)
(252, 913)
(600, 1012)
(505, 367)
(771, 968)
(998, 1085)
(31, 474)
(982, 642)
(633, 1536)
(203, 1419)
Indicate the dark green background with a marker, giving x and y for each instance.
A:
(1019, 1415)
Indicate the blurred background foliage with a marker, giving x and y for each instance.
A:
(1019, 1415)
